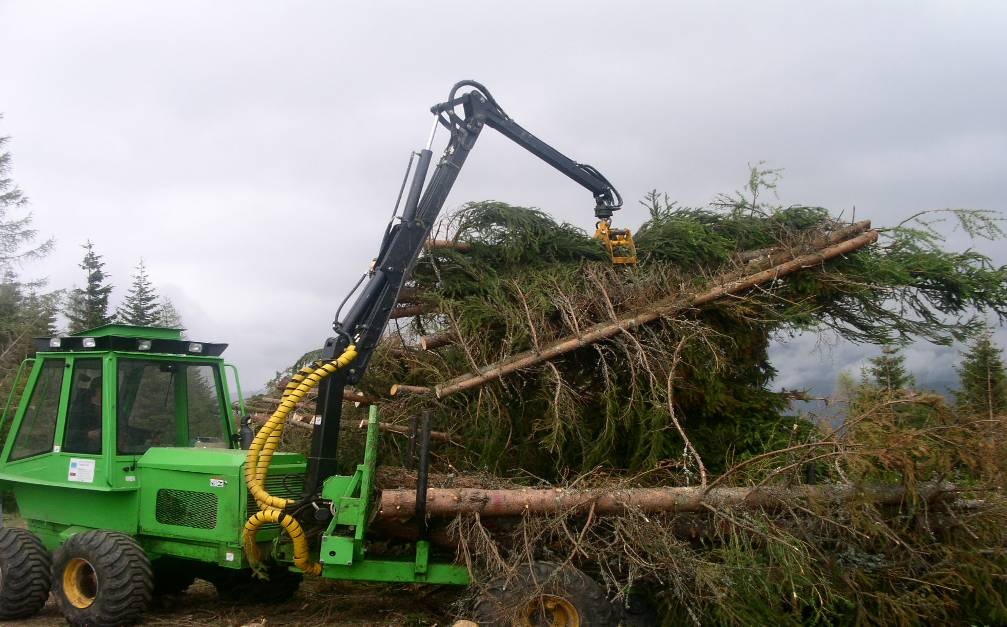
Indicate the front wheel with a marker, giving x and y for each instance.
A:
(101, 579)
(543, 594)
(24, 573)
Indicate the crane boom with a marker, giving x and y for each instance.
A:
(366, 320)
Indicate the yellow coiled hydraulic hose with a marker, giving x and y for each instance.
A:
(260, 454)
(302, 558)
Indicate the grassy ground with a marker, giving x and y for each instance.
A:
(317, 603)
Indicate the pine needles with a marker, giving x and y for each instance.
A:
(687, 400)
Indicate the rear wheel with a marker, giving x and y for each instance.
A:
(102, 578)
(546, 595)
(24, 573)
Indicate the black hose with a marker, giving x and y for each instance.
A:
(339, 310)
(482, 88)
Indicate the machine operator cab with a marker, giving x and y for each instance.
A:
(102, 397)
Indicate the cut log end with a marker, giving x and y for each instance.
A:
(401, 388)
(432, 342)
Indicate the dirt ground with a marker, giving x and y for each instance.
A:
(317, 603)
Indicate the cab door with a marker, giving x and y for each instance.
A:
(32, 441)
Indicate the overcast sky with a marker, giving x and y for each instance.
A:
(250, 152)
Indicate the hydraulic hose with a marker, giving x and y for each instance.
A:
(268, 438)
(260, 455)
(302, 558)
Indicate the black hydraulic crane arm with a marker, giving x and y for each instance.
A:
(366, 320)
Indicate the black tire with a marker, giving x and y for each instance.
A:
(545, 594)
(242, 586)
(102, 579)
(25, 568)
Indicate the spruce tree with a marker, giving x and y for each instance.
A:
(888, 373)
(16, 234)
(167, 316)
(25, 311)
(982, 379)
(88, 306)
(140, 307)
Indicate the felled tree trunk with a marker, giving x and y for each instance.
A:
(402, 388)
(834, 237)
(730, 284)
(450, 502)
(384, 427)
(433, 244)
(348, 395)
(409, 311)
(431, 342)
(412, 295)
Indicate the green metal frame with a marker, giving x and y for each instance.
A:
(13, 390)
(56, 506)
(343, 551)
(123, 490)
(237, 386)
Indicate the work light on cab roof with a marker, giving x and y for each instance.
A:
(124, 337)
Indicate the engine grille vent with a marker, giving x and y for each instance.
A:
(186, 508)
(289, 486)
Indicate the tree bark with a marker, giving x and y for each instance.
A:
(834, 237)
(729, 284)
(430, 342)
(450, 502)
(384, 427)
(412, 295)
(409, 311)
(359, 398)
(348, 395)
(432, 244)
(401, 388)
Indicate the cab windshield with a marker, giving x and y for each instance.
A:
(168, 403)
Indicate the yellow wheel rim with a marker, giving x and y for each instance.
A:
(550, 610)
(80, 583)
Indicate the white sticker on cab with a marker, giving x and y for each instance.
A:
(81, 470)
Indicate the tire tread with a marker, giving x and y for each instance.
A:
(128, 579)
(24, 594)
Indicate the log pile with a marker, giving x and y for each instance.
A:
(628, 419)
(783, 263)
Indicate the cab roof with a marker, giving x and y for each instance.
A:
(128, 338)
(129, 330)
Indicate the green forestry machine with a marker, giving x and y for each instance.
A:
(133, 477)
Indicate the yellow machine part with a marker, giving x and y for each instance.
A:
(260, 454)
(618, 242)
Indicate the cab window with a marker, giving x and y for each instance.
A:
(203, 404)
(38, 427)
(166, 403)
(83, 417)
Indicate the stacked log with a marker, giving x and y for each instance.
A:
(776, 265)
(443, 502)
